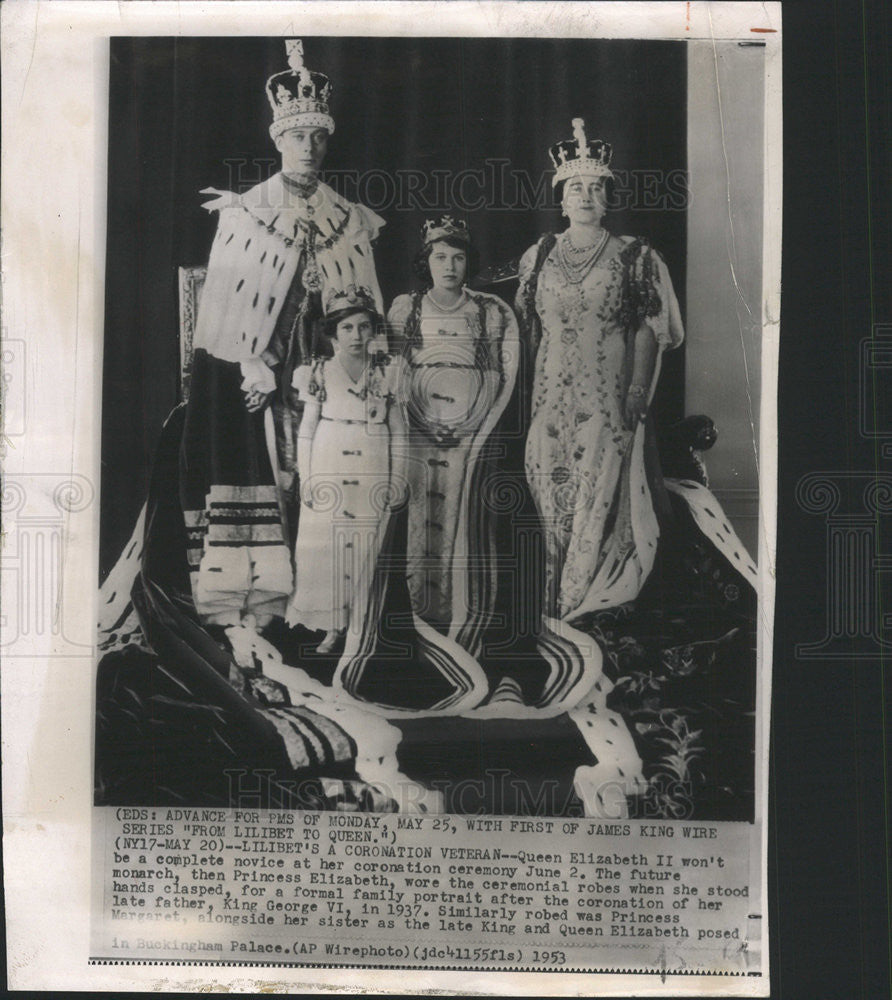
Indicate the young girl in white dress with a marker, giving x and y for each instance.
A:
(351, 463)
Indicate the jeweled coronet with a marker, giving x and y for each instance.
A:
(444, 226)
(352, 297)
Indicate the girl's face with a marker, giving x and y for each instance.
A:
(448, 266)
(353, 334)
(585, 199)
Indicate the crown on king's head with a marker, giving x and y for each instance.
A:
(580, 156)
(443, 226)
(298, 96)
(350, 297)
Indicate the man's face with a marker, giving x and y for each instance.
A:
(303, 150)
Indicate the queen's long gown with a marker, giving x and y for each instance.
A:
(585, 470)
(350, 477)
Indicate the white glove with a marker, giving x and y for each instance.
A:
(257, 376)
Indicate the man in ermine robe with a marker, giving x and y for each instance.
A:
(277, 249)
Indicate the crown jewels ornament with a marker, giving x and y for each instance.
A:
(580, 156)
(298, 96)
(350, 297)
(443, 226)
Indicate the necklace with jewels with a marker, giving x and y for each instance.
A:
(576, 262)
(309, 237)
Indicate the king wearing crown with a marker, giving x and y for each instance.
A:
(280, 249)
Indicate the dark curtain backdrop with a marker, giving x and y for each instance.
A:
(191, 113)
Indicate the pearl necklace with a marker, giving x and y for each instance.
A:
(448, 309)
(576, 262)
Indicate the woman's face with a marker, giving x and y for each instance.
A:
(353, 334)
(585, 199)
(448, 266)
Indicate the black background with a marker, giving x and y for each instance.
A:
(186, 114)
(829, 802)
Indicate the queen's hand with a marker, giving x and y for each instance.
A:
(635, 408)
